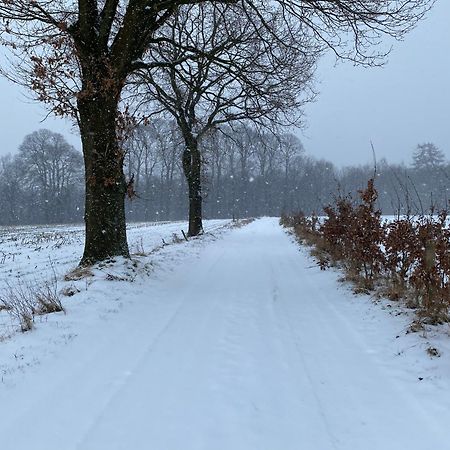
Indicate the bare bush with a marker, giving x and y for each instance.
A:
(140, 251)
(25, 300)
(47, 298)
(18, 302)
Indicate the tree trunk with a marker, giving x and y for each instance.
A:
(104, 177)
(192, 170)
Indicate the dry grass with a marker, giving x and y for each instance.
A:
(79, 273)
(25, 300)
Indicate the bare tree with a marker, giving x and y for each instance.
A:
(11, 191)
(153, 150)
(234, 74)
(53, 167)
(78, 57)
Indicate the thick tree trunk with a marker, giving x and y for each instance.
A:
(105, 180)
(192, 170)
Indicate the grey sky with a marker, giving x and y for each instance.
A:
(20, 116)
(397, 106)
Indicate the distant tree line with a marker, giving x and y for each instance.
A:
(419, 188)
(247, 172)
(42, 183)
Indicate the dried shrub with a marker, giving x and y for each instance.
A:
(20, 305)
(368, 235)
(176, 239)
(354, 235)
(47, 298)
(25, 300)
(69, 291)
(404, 259)
(140, 251)
(430, 276)
(336, 228)
(400, 243)
(79, 273)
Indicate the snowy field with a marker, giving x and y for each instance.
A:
(30, 251)
(234, 341)
(38, 254)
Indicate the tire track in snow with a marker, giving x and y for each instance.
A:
(284, 322)
(135, 372)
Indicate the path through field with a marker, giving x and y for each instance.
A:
(245, 348)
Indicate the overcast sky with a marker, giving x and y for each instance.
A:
(398, 106)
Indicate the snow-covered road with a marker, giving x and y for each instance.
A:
(246, 348)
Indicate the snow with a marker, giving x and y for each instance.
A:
(233, 341)
(27, 251)
(35, 254)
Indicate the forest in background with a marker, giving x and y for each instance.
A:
(247, 173)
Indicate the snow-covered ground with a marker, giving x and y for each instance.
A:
(235, 341)
(36, 254)
(31, 251)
